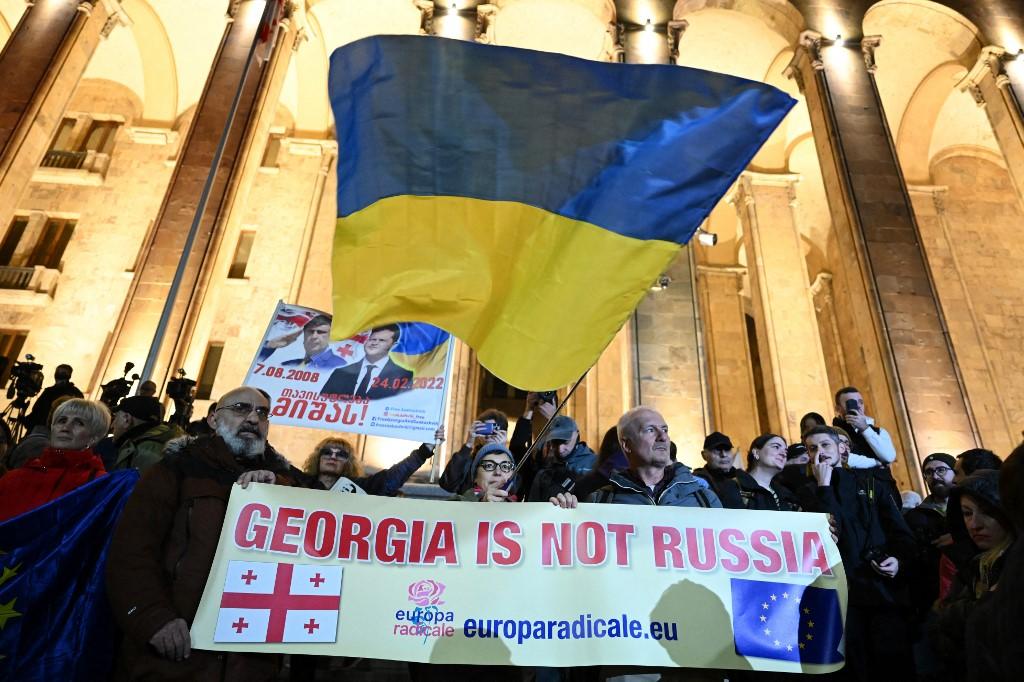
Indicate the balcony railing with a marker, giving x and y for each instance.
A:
(36, 279)
(56, 158)
(15, 278)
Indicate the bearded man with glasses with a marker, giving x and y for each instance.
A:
(931, 531)
(165, 541)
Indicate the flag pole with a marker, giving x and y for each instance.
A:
(540, 437)
(269, 11)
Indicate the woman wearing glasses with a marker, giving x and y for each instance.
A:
(492, 469)
(333, 463)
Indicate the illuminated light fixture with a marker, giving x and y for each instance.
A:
(706, 238)
(662, 283)
(649, 25)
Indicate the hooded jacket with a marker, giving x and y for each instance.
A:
(143, 446)
(556, 476)
(162, 552)
(682, 490)
(971, 588)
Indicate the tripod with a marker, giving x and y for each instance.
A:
(12, 420)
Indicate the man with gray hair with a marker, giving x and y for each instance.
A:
(652, 476)
(164, 543)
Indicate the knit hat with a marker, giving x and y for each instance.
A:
(489, 449)
(146, 408)
(948, 460)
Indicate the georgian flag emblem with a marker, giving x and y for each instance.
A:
(274, 602)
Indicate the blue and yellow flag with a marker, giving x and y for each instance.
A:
(55, 623)
(522, 200)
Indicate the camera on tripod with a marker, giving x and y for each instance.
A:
(26, 380)
(181, 391)
(115, 389)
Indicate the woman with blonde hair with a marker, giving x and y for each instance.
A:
(333, 463)
(69, 461)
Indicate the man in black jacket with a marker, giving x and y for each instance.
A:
(875, 544)
(62, 387)
(718, 470)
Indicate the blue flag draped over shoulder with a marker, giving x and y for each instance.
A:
(524, 201)
(55, 623)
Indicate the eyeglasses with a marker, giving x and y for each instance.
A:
(245, 409)
(489, 466)
(336, 453)
(937, 471)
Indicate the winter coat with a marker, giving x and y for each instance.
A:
(949, 630)
(143, 446)
(739, 490)
(683, 490)
(162, 551)
(869, 522)
(46, 478)
(559, 476)
(389, 481)
(40, 413)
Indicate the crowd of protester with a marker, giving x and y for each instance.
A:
(933, 584)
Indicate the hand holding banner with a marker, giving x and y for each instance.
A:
(314, 572)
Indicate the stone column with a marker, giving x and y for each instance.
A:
(40, 65)
(795, 378)
(733, 400)
(139, 317)
(974, 355)
(899, 354)
(828, 328)
(993, 89)
(669, 365)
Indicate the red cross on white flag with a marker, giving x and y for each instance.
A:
(272, 602)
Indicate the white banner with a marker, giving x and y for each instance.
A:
(389, 381)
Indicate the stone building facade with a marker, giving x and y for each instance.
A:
(873, 241)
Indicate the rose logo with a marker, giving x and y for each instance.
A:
(426, 592)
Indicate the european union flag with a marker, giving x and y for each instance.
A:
(786, 622)
(55, 623)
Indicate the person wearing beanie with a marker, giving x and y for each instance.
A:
(928, 523)
(138, 434)
(974, 507)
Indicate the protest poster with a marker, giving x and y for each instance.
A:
(389, 381)
(316, 572)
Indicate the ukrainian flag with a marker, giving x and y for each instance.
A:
(522, 200)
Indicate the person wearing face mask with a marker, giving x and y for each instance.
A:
(166, 538)
(974, 505)
(67, 463)
(876, 547)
